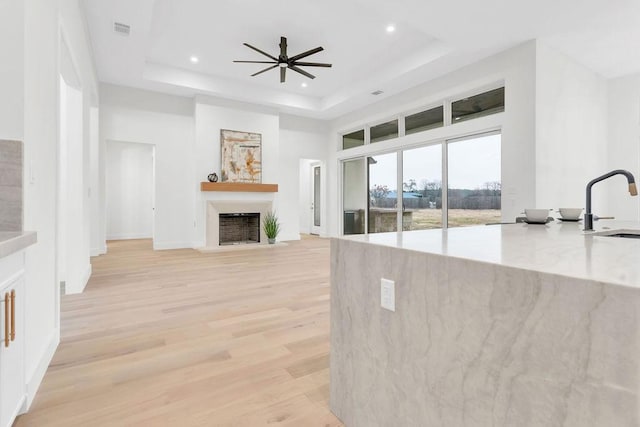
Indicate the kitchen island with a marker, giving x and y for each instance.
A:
(502, 325)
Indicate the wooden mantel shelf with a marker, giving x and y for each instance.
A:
(239, 186)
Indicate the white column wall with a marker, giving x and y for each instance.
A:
(38, 51)
(130, 115)
(41, 109)
(300, 139)
(623, 146)
(210, 118)
(571, 132)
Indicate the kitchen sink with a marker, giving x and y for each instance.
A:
(624, 234)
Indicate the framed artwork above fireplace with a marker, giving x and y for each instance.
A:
(241, 156)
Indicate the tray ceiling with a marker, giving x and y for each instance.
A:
(431, 38)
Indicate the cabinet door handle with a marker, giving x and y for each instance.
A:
(6, 319)
(13, 315)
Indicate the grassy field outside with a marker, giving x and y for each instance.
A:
(423, 219)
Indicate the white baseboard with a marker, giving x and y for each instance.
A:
(160, 246)
(129, 236)
(98, 251)
(288, 237)
(78, 288)
(35, 378)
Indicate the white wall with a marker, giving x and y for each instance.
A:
(75, 39)
(41, 106)
(74, 223)
(12, 69)
(73, 248)
(187, 140)
(42, 24)
(304, 196)
(516, 67)
(210, 119)
(623, 145)
(571, 132)
(97, 235)
(129, 190)
(166, 121)
(300, 139)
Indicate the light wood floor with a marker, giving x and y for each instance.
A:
(180, 338)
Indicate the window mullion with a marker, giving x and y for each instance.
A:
(445, 186)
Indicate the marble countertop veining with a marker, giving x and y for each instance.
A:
(557, 248)
(14, 241)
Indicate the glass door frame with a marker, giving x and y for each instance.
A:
(444, 142)
(316, 205)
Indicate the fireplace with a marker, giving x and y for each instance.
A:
(215, 209)
(239, 228)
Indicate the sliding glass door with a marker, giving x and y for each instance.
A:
(474, 187)
(383, 192)
(422, 188)
(354, 196)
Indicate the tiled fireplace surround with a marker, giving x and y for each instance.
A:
(216, 207)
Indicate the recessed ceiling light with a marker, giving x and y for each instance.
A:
(304, 84)
(391, 28)
(194, 59)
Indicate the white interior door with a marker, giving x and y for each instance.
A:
(130, 190)
(316, 196)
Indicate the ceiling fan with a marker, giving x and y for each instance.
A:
(283, 61)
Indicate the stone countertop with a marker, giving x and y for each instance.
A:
(560, 248)
(14, 241)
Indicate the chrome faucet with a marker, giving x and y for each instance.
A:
(588, 216)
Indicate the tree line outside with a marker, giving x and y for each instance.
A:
(428, 195)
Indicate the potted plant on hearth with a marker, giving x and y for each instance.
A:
(271, 226)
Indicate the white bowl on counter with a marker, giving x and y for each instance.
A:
(537, 215)
(570, 213)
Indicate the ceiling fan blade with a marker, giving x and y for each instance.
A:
(305, 54)
(301, 71)
(283, 74)
(262, 71)
(283, 47)
(312, 64)
(258, 50)
(257, 62)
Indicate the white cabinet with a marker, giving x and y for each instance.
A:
(12, 344)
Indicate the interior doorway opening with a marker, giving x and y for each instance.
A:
(312, 197)
(130, 190)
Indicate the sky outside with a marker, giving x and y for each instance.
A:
(472, 162)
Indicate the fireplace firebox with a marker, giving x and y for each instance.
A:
(239, 228)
